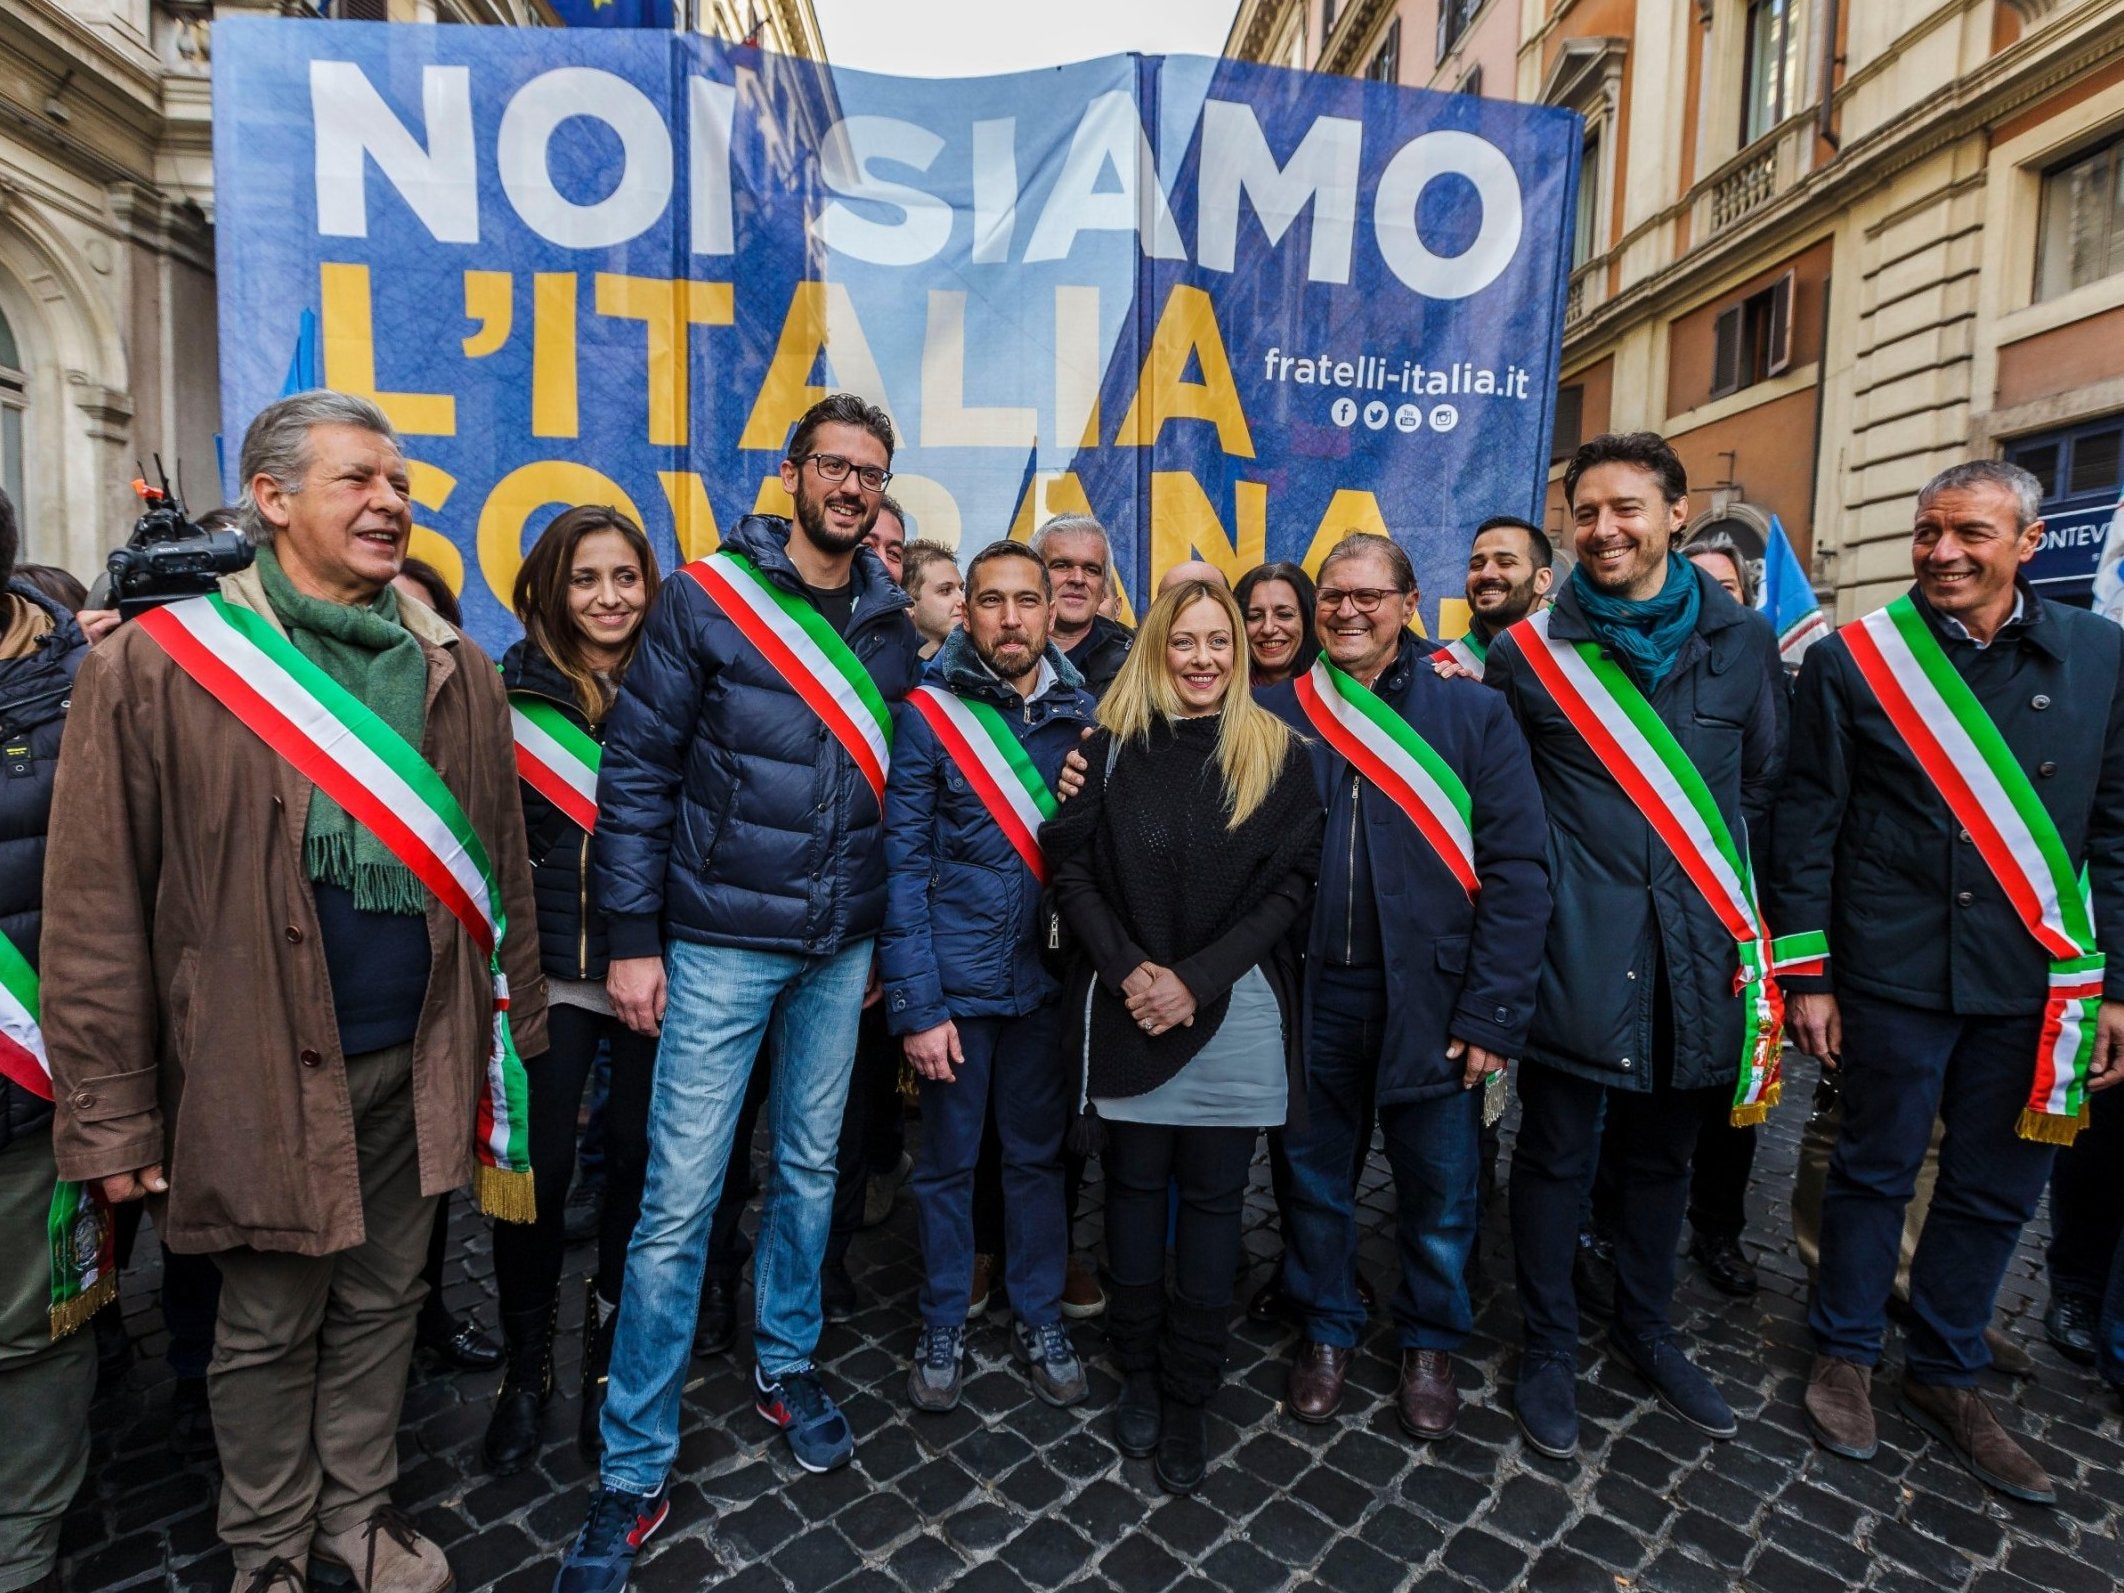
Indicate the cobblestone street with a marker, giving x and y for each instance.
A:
(1005, 1493)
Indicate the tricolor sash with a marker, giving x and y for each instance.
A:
(1470, 652)
(1386, 749)
(1969, 763)
(995, 764)
(341, 746)
(807, 653)
(78, 1229)
(1642, 756)
(555, 757)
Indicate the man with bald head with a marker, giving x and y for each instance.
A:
(1192, 570)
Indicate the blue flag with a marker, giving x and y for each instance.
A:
(1787, 596)
(613, 13)
(302, 369)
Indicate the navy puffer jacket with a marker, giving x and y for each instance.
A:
(571, 928)
(727, 814)
(961, 908)
(34, 693)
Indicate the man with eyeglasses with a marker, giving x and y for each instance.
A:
(1420, 972)
(741, 869)
(1079, 561)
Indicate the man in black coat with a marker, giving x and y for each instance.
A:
(1080, 562)
(1637, 1018)
(1934, 1003)
(1419, 976)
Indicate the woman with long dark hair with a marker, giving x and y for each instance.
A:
(1276, 601)
(1181, 867)
(580, 595)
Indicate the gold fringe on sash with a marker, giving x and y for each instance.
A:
(2047, 1128)
(70, 1314)
(1757, 1111)
(503, 1195)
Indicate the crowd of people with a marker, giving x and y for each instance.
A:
(346, 919)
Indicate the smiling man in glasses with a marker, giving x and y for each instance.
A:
(741, 868)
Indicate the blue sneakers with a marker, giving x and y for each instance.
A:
(797, 1402)
(603, 1552)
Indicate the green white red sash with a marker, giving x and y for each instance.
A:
(1470, 652)
(555, 757)
(995, 764)
(807, 653)
(78, 1228)
(1386, 749)
(1642, 756)
(343, 748)
(1976, 774)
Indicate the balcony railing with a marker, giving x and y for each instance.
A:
(1755, 176)
(1747, 187)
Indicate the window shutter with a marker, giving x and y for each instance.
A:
(363, 10)
(1726, 352)
(1779, 358)
(1570, 422)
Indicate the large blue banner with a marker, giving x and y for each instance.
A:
(1234, 311)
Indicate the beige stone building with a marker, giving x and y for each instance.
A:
(107, 323)
(1826, 246)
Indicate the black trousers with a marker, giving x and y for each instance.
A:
(1183, 1337)
(1718, 1175)
(2087, 1203)
(1651, 1135)
(527, 1255)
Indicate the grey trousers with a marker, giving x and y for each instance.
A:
(311, 1352)
(45, 1388)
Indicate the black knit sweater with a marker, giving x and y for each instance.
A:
(1145, 870)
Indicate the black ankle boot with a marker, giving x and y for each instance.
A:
(599, 1326)
(1183, 1450)
(1136, 1416)
(513, 1429)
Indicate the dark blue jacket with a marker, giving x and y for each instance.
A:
(34, 692)
(727, 814)
(1866, 849)
(1625, 914)
(961, 908)
(1455, 969)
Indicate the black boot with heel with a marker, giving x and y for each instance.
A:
(527, 1383)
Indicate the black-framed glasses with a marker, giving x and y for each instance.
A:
(833, 468)
(1364, 599)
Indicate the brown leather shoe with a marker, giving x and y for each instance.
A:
(1839, 1407)
(1959, 1418)
(1428, 1402)
(386, 1554)
(1314, 1393)
(2008, 1357)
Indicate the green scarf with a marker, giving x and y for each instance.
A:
(367, 651)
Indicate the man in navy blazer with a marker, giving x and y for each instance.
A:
(1416, 989)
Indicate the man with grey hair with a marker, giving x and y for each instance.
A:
(1079, 561)
(297, 972)
(1953, 843)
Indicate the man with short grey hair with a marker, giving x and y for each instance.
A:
(297, 971)
(1953, 843)
(1080, 562)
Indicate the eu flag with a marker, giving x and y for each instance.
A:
(614, 13)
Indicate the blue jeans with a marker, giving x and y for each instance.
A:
(1904, 1066)
(1018, 1063)
(722, 999)
(1434, 1149)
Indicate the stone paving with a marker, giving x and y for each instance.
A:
(1007, 1494)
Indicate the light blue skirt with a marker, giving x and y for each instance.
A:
(1236, 1081)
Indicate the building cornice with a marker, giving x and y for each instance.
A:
(2026, 72)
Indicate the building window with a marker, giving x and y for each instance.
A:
(2081, 239)
(1453, 19)
(1386, 60)
(1752, 340)
(1770, 67)
(1327, 19)
(1570, 423)
(1585, 220)
(14, 402)
(1471, 85)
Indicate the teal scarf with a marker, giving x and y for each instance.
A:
(1646, 638)
(366, 650)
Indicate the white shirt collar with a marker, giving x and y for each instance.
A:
(1043, 681)
(1956, 628)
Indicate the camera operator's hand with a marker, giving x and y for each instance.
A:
(121, 1187)
(97, 623)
